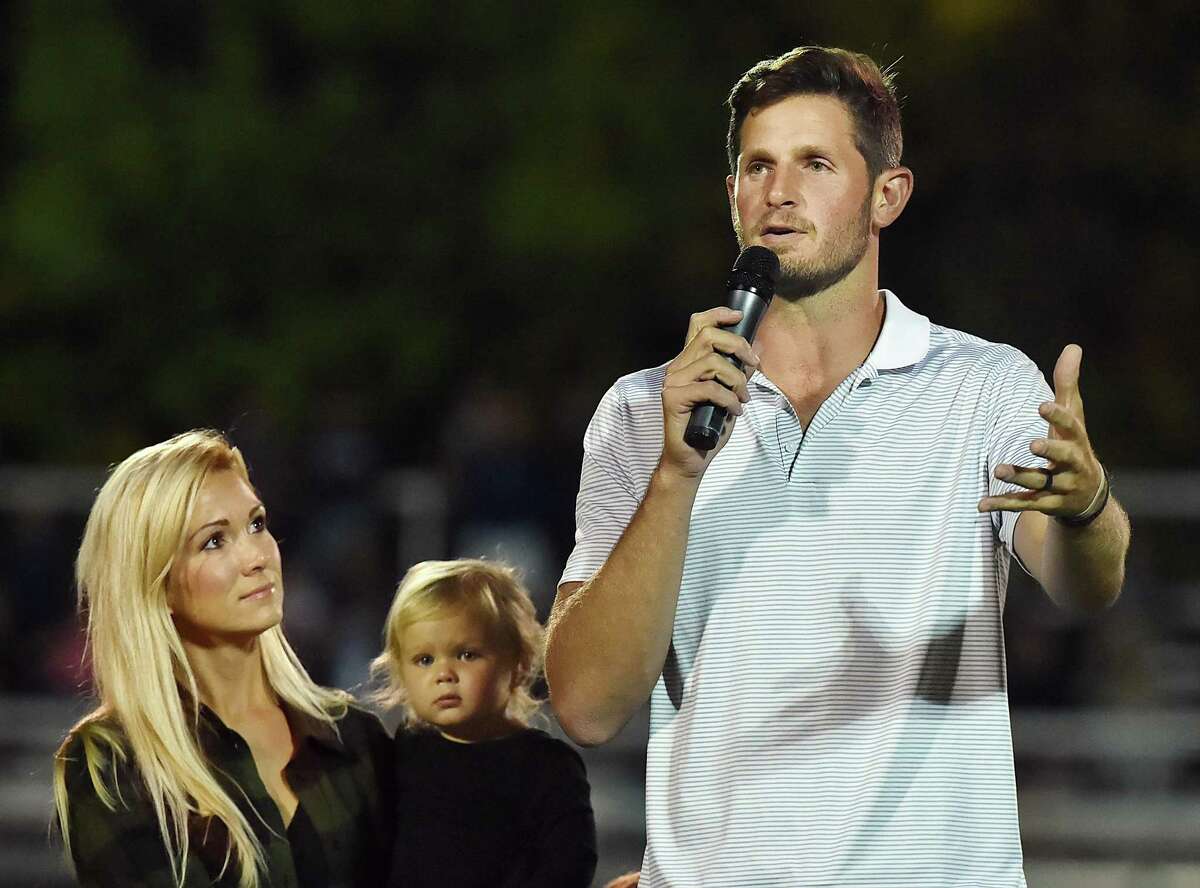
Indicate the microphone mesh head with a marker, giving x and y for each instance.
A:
(760, 261)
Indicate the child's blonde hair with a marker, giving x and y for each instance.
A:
(490, 591)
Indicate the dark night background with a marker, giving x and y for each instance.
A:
(400, 250)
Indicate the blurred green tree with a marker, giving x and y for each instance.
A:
(207, 209)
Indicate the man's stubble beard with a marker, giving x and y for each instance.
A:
(843, 250)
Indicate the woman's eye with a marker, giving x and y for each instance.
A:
(214, 541)
(258, 524)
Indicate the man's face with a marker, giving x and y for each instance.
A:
(802, 190)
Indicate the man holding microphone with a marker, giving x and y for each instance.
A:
(814, 605)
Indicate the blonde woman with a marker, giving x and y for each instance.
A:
(212, 757)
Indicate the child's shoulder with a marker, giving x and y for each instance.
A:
(415, 736)
(527, 743)
(360, 723)
(421, 748)
(549, 749)
(538, 738)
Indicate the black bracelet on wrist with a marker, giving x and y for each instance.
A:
(1091, 514)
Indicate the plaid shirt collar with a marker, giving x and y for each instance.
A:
(305, 729)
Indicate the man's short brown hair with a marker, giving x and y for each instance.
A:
(868, 93)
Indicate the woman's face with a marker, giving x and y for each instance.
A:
(227, 582)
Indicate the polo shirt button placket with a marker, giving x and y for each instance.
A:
(789, 435)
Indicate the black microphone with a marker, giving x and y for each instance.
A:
(751, 285)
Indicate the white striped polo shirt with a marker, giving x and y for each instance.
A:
(833, 708)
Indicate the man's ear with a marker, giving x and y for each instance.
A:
(733, 203)
(893, 188)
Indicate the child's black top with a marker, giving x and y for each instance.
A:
(503, 813)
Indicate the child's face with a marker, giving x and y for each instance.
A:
(456, 678)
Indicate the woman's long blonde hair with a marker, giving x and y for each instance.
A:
(491, 591)
(149, 705)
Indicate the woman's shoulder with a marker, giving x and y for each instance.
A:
(111, 828)
(95, 747)
(98, 775)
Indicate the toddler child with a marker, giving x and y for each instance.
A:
(483, 798)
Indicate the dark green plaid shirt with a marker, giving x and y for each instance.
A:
(340, 834)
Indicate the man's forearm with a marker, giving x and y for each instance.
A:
(607, 641)
(1084, 567)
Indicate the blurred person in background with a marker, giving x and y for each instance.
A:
(486, 799)
(500, 487)
(814, 606)
(212, 757)
(41, 632)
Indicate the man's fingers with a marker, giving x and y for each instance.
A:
(714, 317)
(1029, 478)
(1061, 453)
(684, 398)
(713, 339)
(1024, 501)
(1058, 480)
(711, 366)
(1066, 375)
(1064, 422)
(704, 372)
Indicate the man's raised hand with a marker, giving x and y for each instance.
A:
(1071, 483)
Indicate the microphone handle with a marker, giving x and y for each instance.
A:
(708, 420)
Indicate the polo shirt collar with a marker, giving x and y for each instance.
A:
(904, 339)
(307, 727)
(902, 342)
